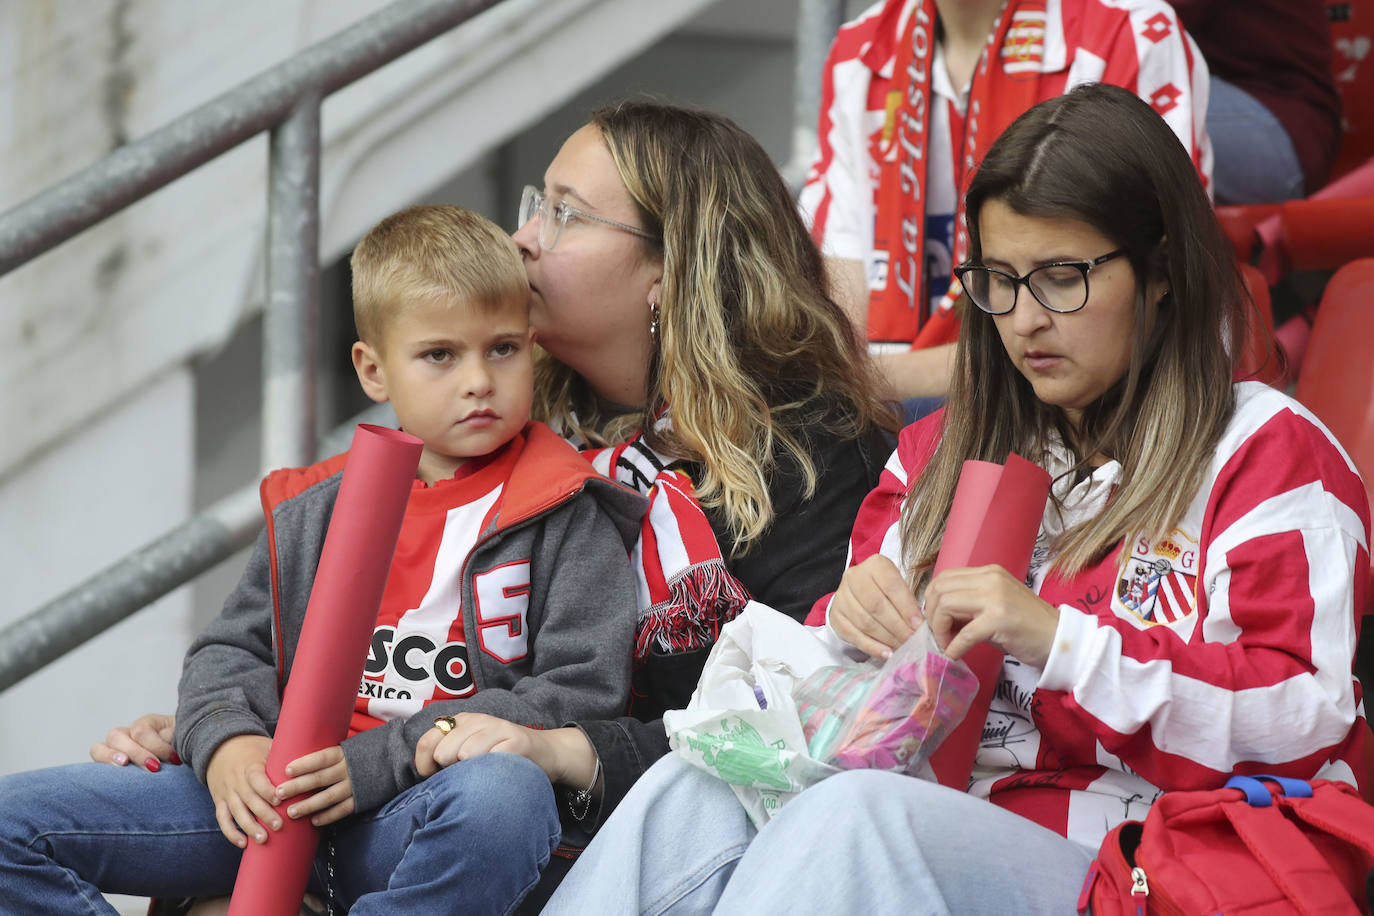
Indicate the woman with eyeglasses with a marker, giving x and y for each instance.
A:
(1190, 610)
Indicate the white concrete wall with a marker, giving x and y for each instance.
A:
(66, 518)
(168, 277)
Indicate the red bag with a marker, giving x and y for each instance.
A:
(1243, 850)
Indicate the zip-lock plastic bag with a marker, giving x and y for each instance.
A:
(888, 716)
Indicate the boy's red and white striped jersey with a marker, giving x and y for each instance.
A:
(419, 651)
(1223, 647)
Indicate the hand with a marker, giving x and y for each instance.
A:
(325, 773)
(874, 609)
(564, 754)
(237, 779)
(148, 740)
(978, 604)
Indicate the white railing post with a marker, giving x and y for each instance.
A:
(291, 314)
(817, 23)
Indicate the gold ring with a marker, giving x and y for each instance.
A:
(446, 724)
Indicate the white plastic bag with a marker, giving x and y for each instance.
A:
(741, 724)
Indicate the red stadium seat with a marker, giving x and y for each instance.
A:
(1239, 223)
(1324, 233)
(1337, 384)
(1337, 379)
(1320, 232)
(1261, 360)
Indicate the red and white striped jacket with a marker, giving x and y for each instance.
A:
(1225, 647)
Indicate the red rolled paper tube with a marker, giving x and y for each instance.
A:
(994, 518)
(323, 683)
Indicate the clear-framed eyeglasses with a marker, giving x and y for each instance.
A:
(554, 217)
(1060, 287)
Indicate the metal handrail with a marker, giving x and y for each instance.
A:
(286, 100)
(137, 169)
(147, 574)
(817, 23)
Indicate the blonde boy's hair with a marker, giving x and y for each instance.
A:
(429, 253)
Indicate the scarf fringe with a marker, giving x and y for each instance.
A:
(701, 599)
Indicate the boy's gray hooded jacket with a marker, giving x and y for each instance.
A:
(573, 526)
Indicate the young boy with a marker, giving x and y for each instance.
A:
(510, 593)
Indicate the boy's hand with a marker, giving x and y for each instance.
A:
(237, 779)
(326, 774)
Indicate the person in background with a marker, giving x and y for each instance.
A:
(915, 91)
(1274, 114)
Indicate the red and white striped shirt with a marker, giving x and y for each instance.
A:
(1224, 647)
(1136, 44)
(419, 653)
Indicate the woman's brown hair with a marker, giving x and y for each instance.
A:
(1102, 156)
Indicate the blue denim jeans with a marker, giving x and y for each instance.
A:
(1254, 161)
(452, 841)
(859, 842)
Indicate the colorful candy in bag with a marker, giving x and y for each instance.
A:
(824, 699)
(890, 717)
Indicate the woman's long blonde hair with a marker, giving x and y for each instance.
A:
(752, 353)
(1101, 156)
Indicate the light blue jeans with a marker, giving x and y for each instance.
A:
(859, 842)
(450, 843)
(1254, 161)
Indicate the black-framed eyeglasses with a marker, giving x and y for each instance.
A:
(554, 217)
(1060, 287)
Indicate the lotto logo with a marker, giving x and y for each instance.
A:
(1165, 99)
(1157, 28)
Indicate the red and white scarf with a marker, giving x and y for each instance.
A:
(901, 309)
(686, 593)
